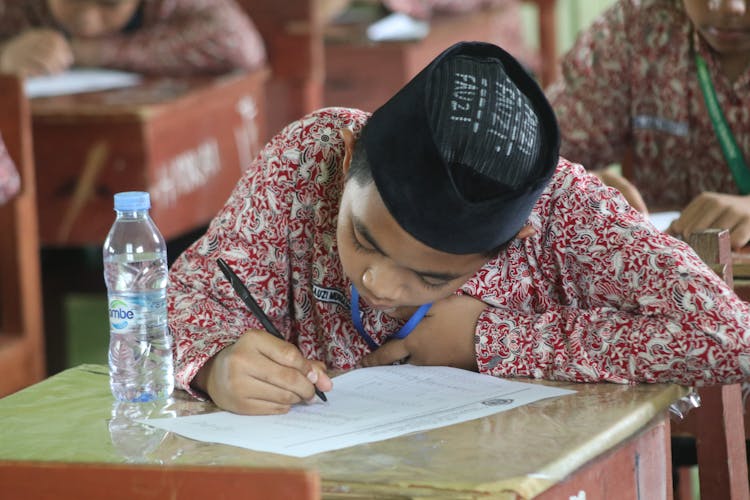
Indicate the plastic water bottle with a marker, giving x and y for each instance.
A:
(135, 271)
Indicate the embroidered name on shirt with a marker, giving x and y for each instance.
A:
(660, 124)
(330, 295)
(510, 118)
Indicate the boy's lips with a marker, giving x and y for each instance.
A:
(381, 306)
(727, 35)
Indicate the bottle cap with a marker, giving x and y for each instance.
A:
(132, 200)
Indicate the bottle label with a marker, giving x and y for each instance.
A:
(133, 312)
(121, 314)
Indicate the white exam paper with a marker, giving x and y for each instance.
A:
(77, 80)
(366, 405)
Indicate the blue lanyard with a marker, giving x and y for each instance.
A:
(400, 334)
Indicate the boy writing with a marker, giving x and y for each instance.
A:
(165, 37)
(451, 200)
(638, 83)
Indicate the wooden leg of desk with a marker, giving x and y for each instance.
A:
(638, 468)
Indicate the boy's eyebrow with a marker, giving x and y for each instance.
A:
(365, 233)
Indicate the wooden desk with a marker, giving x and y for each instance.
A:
(184, 141)
(364, 74)
(606, 441)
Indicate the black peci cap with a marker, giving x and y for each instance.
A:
(461, 154)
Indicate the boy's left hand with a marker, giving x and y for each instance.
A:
(716, 210)
(444, 337)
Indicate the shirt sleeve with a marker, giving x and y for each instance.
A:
(592, 96)
(196, 36)
(620, 301)
(250, 234)
(10, 181)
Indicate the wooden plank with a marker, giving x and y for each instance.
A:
(73, 481)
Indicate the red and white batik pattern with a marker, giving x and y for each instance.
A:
(597, 294)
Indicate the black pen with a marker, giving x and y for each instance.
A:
(249, 301)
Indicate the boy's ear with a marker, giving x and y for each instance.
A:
(525, 232)
(349, 141)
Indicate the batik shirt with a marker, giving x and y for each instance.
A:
(166, 37)
(10, 182)
(630, 84)
(596, 294)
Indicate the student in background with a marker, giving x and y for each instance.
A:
(635, 84)
(449, 200)
(166, 37)
(10, 182)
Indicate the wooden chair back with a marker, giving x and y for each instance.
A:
(718, 424)
(73, 481)
(21, 330)
(547, 37)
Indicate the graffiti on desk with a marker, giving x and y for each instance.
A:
(246, 135)
(185, 173)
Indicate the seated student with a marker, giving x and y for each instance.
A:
(166, 37)
(10, 182)
(636, 82)
(451, 194)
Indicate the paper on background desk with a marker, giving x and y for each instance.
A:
(78, 80)
(366, 405)
(397, 26)
(662, 220)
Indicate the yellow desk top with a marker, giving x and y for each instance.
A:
(72, 417)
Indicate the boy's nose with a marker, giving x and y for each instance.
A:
(381, 283)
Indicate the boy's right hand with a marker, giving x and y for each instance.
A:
(36, 52)
(261, 375)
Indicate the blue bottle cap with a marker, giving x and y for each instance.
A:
(132, 200)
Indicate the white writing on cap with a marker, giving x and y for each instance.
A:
(508, 115)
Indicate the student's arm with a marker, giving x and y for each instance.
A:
(36, 52)
(626, 302)
(10, 182)
(263, 233)
(196, 36)
(29, 44)
(592, 97)
(217, 341)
